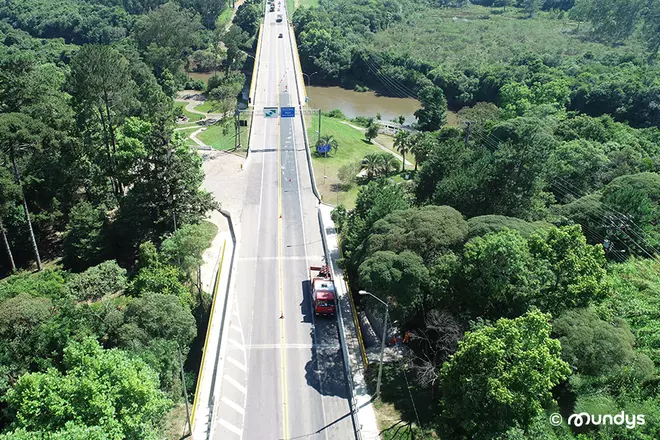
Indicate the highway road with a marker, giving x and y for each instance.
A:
(283, 374)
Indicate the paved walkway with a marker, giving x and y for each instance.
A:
(366, 415)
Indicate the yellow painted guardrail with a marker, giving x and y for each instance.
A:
(208, 331)
(256, 65)
(355, 317)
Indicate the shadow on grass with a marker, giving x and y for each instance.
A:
(396, 391)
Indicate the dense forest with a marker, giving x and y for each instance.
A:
(102, 212)
(524, 254)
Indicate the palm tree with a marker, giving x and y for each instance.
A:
(372, 164)
(329, 140)
(388, 164)
(17, 135)
(402, 144)
(422, 144)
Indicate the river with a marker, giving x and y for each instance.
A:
(353, 103)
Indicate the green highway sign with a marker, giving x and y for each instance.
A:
(270, 112)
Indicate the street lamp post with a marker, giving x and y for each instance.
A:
(382, 346)
(309, 80)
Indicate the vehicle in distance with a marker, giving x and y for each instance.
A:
(279, 18)
(279, 36)
(323, 290)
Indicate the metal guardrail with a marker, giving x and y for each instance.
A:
(344, 346)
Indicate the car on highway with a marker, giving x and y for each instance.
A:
(280, 36)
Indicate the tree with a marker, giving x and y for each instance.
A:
(372, 131)
(167, 191)
(651, 27)
(502, 3)
(209, 10)
(234, 39)
(403, 144)
(593, 346)
(98, 281)
(428, 231)
(25, 343)
(501, 375)
(484, 224)
(574, 271)
(100, 388)
(530, 6)
(400, 119)
(18, 135)
(160, 278)
(165, 34)
(371, 164)
(577, 167)
(347, 173)
(388, 164)
(633, 206)
(329, 139)
(422, 145)
(612, 20)
(432, 115)
(185, 248)
(438, 339)
(499, 277)
(83, 240)
(401, 278)
(103, 91)
(161, 316)
(9, 192)
(248, 16)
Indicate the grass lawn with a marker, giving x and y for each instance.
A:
(205, 107)
(352, 148)
(192, 117)
(223, 136)
(224, 18)
(395, 410)
(174, 422)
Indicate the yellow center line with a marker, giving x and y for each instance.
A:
(285, 418)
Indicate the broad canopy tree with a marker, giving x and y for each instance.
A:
(501, 375)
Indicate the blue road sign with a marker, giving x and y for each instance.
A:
(287, 112)
(323, 148)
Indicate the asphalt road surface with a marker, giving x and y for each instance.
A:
(283, 375)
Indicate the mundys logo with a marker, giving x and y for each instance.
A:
(630, 420)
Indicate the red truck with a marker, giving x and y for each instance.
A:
(323, 290)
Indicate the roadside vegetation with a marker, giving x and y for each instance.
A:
(102, 212)
(524, 257)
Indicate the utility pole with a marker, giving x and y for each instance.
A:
(238, 128)
(467, 131)
(185, 393)
(319, 138)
